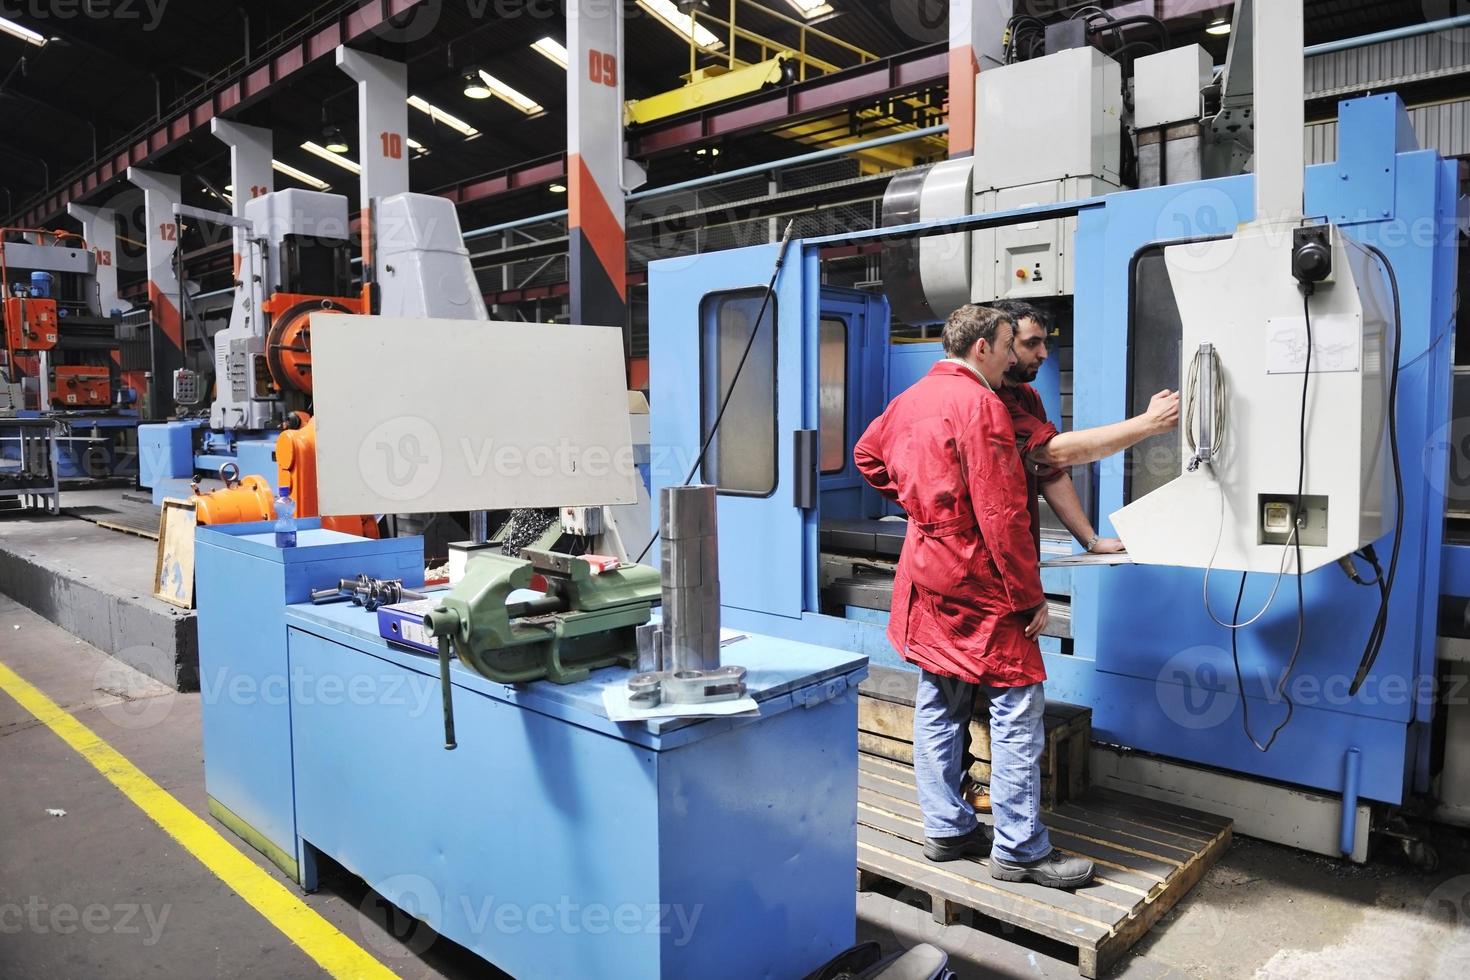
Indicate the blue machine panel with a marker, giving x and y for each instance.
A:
(556, 843)
(165, 451)
(1157, 672)
(243, 583)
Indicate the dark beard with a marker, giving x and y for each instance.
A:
(1022, 376)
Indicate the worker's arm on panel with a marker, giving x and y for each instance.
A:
(871, 465)
(1090, 445)
(998, 494)
(1061, 494)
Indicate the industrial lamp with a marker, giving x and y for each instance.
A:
(333, 139)
(474, 86)
(1218, 27)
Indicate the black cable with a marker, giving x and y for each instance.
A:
(1380, 624)
(734, 378)
(1091, 12)
(1296, 543)
(1116, 25)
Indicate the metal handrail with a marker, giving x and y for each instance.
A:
(768, 47)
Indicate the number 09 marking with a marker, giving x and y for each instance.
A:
(602, 68)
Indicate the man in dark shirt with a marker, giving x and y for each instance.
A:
(1049, 453)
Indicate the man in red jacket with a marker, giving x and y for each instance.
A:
(967, 598)
(1049, 453)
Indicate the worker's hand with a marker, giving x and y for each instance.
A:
(1107, 546)
(1039, 617)
(1163, 412)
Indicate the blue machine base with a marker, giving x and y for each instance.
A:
(168, 459)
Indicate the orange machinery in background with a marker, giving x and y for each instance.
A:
(250, 498)
(80, 386)
(30, 323)
(296, 468)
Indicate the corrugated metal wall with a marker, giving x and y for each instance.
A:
(1386, 66)
(1391, 63)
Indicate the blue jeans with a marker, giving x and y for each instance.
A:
(942, 711)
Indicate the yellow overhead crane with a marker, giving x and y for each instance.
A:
(771, 64)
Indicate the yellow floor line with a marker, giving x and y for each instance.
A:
(317, 938)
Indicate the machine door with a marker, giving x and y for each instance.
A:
(702, 314)
(852, 368)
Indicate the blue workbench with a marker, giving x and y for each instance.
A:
(552, 842)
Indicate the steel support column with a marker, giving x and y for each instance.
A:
(382, 137)
(597, 243)
(976, 29)
(250, 169)
(165, 335)
(99, 228)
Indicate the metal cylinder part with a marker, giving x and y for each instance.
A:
(650, 640)
(928, 278)
(690, 563)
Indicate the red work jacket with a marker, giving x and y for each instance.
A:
(1033, 430)
(946, 452)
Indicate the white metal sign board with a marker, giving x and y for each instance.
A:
(427, 416)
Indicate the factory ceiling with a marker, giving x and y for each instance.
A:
(110, 67)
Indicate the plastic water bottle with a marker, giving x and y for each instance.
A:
(285, 519)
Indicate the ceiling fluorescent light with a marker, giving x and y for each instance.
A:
(24, 33)
(505, 93)
(1218, 27)
(313, 182)
(553, 50)
(680, 23)
(439, 115)
(811, 8)
(330, 157)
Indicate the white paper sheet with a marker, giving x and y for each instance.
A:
(615, 703)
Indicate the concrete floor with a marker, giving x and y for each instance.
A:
(98, 583)
(150, 909)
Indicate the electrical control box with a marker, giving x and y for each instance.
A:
(30, 324)
(1068, 106)
(1071, 103)
(1166, 86)
(80, 386)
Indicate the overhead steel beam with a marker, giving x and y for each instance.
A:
(252, 84)
(903, 72)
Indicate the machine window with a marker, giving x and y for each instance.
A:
(742, 455)
(832, 394)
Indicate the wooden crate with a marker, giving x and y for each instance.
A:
(886, 730)
(1148, 855)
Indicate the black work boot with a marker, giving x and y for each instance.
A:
(974, 844)
(1056, 870)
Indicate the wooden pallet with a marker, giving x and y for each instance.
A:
(886, 730)
(1148, 856)
(128, 517)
